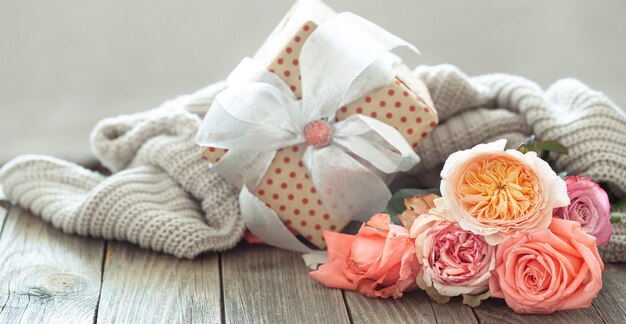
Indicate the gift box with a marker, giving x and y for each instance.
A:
(287, 187)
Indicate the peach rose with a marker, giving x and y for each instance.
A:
(545, 270)
(379, 261)
(590, 207)
(454, 261)
(494, 193)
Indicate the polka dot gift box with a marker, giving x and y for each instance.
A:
(287, 187)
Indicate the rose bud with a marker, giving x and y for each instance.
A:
(589, 206)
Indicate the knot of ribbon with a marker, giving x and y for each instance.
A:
(342, 60)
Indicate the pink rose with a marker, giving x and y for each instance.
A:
(495, 192)
(454, 261)
(589, 206)
(379, 261)
(545, 270)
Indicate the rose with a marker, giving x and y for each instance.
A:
(379, 261)
(589, 206)
(454, 261)
(544, 270)
(495, 193)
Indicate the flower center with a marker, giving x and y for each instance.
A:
(318, 133)
(457, 254)
(499, 188)
(534, 277)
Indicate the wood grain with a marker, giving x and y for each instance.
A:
(414, 307)
(611, 301)
(142, 286)
(495, 310)
(267, 285)
(46, 276)
(454, 312)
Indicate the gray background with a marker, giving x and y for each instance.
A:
(65, 64)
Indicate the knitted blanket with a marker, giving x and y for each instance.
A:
(163, 197)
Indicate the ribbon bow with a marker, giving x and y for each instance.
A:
(342, 60)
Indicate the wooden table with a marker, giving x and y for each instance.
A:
(47, 276)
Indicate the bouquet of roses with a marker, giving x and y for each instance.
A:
(505, 225)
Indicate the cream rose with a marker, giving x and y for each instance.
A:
(494, 193)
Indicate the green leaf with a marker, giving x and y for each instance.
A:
(395, 205)
(528, 145)
(551, 146)
(615, 219)
(562, 174)
(523, 148)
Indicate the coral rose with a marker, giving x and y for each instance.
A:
(495, 193)
(544, 270)
(454, 261)
(379, 261)
(589, 206)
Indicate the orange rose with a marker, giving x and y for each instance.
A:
(379, 261)
(546, 270)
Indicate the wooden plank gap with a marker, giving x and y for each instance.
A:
(345, 302)
(104, 251)
(433, 308)
(222, 308)
(593, 306)
(476, 316)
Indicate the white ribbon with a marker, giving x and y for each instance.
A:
(342, 60)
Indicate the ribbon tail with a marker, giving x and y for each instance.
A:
(264, 223)
(376, 142)
(356, 183)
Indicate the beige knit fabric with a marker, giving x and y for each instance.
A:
(489, 107)
(165, 198)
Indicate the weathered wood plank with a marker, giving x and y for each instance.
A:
(495, 310)
(611, 301)
(454, 312)
(413, 307)
(47, 276)
(142, 286)
(263, 284)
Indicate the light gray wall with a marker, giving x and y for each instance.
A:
(65, 64)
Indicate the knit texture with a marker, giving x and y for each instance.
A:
(162, 196)
(474, 110)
